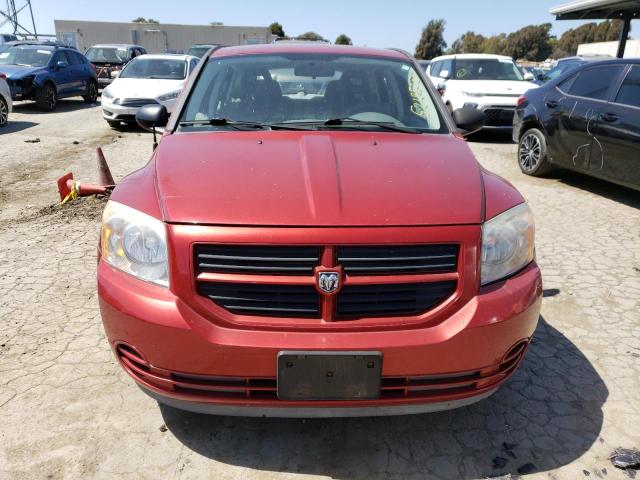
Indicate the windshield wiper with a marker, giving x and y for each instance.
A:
(223, 122)
(338, 122)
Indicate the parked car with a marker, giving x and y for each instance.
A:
(110, 59)
(316, 256)
(489, 83)
(565, 64)
(147, 79)
(5, 100)
(199, 49)
(45, 73)
(424, 64)
(586, 120)
(7, 37)
(52, 43)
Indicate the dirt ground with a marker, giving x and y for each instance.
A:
(67, 409)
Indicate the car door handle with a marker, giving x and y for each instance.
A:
(609, 117)
(551, 103)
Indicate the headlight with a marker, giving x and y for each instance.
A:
(169, 96)
(135, 243)
(507, 243)
(107, 94)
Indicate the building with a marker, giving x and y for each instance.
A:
(610, 48)
(156, 37)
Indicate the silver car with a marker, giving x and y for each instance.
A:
(5, 100)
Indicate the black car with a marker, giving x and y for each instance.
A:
(586, 120)
(565, 64)
(110, 59)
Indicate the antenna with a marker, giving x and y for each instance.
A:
(11, 15)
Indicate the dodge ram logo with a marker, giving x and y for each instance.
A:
(328, 282)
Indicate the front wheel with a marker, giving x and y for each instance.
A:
(4, 112)
(92, 93)
(532, 153)
(46, 98)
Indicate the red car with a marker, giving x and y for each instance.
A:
(313, 237)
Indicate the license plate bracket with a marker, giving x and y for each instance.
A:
(310, 375)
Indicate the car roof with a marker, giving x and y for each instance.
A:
(473, 55)
(308, 47)
(166, 56)
(115, 45)
(586, 58)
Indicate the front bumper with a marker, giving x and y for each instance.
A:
(185, 360)
(114, 112)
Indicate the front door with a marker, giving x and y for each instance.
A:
(619, 133)
(575, 108)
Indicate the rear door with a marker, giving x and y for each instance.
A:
(77, 75)
(574, 108)
(619, 133)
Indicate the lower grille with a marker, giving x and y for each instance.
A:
(137, 102)
(216, 388)
(265, 300)
(499, 117)
(392, 299)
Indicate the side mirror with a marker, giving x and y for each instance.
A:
(151, 117)
(442, 87)
(444, 74)
(528, 76)
(61, 64)
(469, 120)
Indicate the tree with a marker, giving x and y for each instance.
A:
(144, 20)
(469, 42)
(529, 43)
(495, 44)
(606, 31)
(431, 42)
(311, 36)
(276, 29)
(151, 20)
(343, 40)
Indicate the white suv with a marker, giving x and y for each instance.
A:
(491, 83)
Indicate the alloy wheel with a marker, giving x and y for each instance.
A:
(530, 152)
(51, 97)
(4, 113)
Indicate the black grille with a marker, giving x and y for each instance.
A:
(265, 300)
(137, 102)
(402, 259)
(256, 259)
(393, 299)
(499, 117)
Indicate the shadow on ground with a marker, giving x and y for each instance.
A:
(64, 105)
(13, 126)
(599, 187)
(491, 136)
(546, 416)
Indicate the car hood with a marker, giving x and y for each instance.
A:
(143, 87)
(492, 87)
(18, 71)
(285, 178)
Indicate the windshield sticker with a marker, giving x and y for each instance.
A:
(44, 51)
(418, 94)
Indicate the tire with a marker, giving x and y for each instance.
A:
(47, 98)
(532, 153)
(4, 113)
(92, 92)
(115, 124)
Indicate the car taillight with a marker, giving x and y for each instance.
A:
(521, 100)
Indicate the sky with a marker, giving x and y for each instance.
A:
(374, 23)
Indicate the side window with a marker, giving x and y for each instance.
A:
(447, 66)
(595, 82)
(435, 69)
(193, 64)
(73, 59)
(60, 57)
(629, 93)
(565, 85)
(133, 53)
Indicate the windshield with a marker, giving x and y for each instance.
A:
(27, 56)
(486, 69)
(560, 68)
(107, 55)
(156, 68)
(305, 88)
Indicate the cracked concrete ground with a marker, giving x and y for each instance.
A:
(67, 410)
